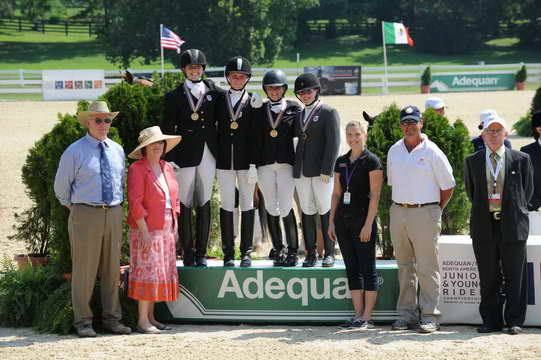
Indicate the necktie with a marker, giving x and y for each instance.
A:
(106, 180)
(496, 205)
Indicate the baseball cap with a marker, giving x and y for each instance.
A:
(486, 114)
(410, 115)
(494, 119)
(434, 103)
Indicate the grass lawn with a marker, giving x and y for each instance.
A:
(37, 51)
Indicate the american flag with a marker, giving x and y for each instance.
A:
(170, 40)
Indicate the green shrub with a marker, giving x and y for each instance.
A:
(22, 292)
(521, 75)
(426, 77)
(523, 127)
(56, 314)
(454, 141)
(536, 101)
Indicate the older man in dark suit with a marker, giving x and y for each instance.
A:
(499, 183)
(534, 150)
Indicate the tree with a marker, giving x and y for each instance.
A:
(258, 30)
(35, 9)
(6, 8)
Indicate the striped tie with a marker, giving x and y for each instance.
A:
(105, 172)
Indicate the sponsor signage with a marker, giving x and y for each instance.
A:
(266, 294)
(460, 291)
(73, 84)
(472, 81)
(337, 80)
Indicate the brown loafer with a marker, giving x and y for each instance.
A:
(118, 329)
(86, 332)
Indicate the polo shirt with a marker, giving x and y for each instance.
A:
(359, 184)
(417, 177)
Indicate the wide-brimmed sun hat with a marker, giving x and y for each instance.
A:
(151, 135)
(95, 108)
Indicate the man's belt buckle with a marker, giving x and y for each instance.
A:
(497, 215)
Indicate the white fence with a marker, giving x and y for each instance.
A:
(29, 81)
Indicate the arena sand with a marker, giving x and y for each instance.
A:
(23, 123)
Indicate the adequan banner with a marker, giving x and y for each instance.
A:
(266, 294)
(460, 292)
(472, 81)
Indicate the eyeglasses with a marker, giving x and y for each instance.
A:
(494, 131)
(99, 121)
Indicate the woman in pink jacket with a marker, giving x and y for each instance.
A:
(153, 210)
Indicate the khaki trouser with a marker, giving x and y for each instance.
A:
(95, 238)
(414, 234)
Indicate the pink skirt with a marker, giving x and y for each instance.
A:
(153, 273)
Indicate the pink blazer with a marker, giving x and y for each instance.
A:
(146, 198)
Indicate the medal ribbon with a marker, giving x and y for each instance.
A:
(310, 117)
(235, 115)
(190, 100)
(495, 172)
(274, 124)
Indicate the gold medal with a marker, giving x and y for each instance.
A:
(273, 133)
(195, 116)
(304, 136)
(234, 125)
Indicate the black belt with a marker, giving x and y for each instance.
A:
(97, 206)
(417, 205)
(496, 215)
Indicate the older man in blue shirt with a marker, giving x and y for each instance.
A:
(89, 182)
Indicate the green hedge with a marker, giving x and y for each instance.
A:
(523, 127)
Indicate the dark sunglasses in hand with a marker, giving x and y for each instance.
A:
(99, 121)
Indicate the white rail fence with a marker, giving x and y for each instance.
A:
(29, 81)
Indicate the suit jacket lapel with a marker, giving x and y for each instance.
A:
(153, 175)
(508, 163)
(482, 171)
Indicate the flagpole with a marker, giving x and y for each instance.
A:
(161, 47)
(385, 84)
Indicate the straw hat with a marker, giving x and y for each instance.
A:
(95, 108)
(151, 135)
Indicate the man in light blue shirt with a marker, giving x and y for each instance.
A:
(89, 182)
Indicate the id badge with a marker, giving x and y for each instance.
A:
(347, 198)
(494, 196)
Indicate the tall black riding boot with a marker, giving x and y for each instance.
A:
(328, 243)
(292, 239)
(276, 238)
(228, 237)
(309, 233)
(246, 237)
(202, 234)
(185, 234)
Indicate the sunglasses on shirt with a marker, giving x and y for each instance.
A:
(99, 121)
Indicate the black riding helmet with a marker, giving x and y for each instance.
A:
(274, 78)
(238, 64)
(193, 57)
(305, 82)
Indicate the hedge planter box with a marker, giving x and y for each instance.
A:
(34, 260)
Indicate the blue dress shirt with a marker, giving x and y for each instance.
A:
(78, 178)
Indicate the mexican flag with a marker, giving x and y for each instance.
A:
(396, 33)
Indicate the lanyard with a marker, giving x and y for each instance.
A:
(495, 172)
(349, 176)
(190, 100)
(235, 115)
(274, 124)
